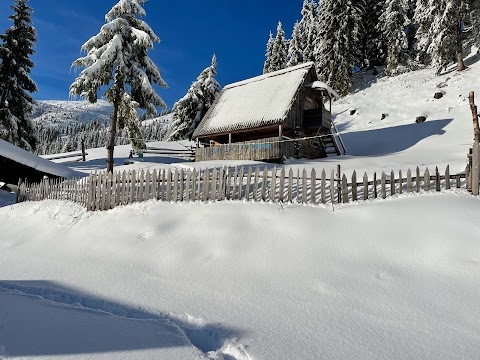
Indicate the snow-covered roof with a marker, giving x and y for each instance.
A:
(321, 86)
(26, 158)
(256, 102)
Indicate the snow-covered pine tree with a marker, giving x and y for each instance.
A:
(393, 23)
(446, 34)
(374, 46)
(118, 57)
(425, 12)
(268, 54)
(15, 82)
(189, 110)
(309, 27)
(339, 31)
(279, 54)
(296, 46)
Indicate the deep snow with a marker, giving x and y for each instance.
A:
(383, 279)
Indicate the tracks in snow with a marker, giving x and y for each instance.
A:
(215, 342)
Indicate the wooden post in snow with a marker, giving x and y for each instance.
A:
(475, 151)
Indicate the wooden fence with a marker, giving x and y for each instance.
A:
(106, 191)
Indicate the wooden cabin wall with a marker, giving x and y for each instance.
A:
(11, 171)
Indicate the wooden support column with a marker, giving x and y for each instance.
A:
(280, 133)
(229, 138)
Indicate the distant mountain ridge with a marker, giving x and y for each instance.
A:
(50, 112)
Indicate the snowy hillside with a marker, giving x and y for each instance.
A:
(381, 279)
(68, 112)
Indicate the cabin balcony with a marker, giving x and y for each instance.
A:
(263, 149)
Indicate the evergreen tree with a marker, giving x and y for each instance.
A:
(309, 27)
(393, 23)
(15, 82)
(279, 55)
(425, 12)
(189, 110)
(268, 54)
(374, 45)
(446, 34)
(118, 57)
(296, 46)
(339, 30)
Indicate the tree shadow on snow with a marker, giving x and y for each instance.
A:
(101, 164)
(392, 139)
(44, 318)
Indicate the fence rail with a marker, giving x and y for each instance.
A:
(104, 191)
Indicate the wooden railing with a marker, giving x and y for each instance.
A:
(106, 191)
(263, 149)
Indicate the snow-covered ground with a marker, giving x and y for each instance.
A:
(382, 279)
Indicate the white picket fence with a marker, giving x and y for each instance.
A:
(104, 191)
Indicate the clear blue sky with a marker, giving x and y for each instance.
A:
(190, 30)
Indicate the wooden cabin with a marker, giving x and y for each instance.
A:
(271, 117)
(16, 164)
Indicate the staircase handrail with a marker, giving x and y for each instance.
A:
(335, 135)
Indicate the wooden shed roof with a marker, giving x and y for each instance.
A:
(253, 103)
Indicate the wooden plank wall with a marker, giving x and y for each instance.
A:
(280, 185)
(263, 149)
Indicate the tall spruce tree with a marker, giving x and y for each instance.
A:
(339, 31)
(423, 18)
(295, 46)
(189, 110)
(15, 82)
(118, 58)
(268, 54)
(277, 52)
(309, 27)
(446, 35)
(393, 23)
(374, 45)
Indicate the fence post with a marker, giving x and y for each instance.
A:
(304, 186)
(249, 181)
(323, 185)
(392, 183)
(240, 183)
(400, 182)
(339, 184)
(281, 190)
(447, 178)
(345, 189)
(475, 151)
(313, 188)
(437, 179)
(354, 186)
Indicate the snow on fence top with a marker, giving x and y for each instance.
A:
(12, 152)
(260, 101)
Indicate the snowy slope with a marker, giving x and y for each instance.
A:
(383, 279)
(52, 112)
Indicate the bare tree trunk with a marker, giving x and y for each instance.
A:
(83, 148)
(460, 63)
(113, 133)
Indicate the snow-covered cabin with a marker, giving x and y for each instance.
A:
(16, 163)
(261, 118)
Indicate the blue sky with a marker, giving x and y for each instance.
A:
(190, 30)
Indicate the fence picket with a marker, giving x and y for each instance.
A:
(255, 183)
(417, 179)
(409, 181)
(234, 187)
(323, 187)
(281, 186)
(206, 179)
(447, 178)
(345, 197)
(182, 185)
(304, 186)
(228, 183)
(383, 184)
(175, 185)
(400, 182)
(240, 184)
(249, 180)
(392, 183)
(426, 180)
(168, 188)
(375, 190)
(199, 184)
(214, 185)
(313, 187)
(290, 185)
(437, 179)
(273, 185)
(365, 186)
(332, 187)
(264, 184)
(354, 186)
